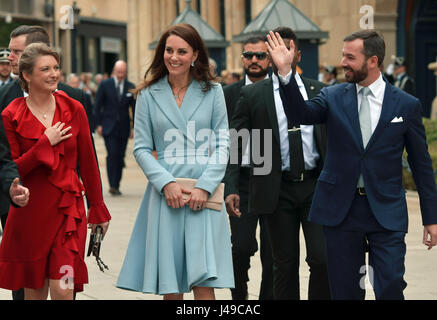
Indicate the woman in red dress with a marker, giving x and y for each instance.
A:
(43, 245)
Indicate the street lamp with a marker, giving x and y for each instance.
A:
(76, 14)
(49, 11)
(8, 18)
(76, 22)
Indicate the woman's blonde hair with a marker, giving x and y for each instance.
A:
(28, 58)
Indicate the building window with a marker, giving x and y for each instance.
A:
(25, 6)
(79, 55)
(6, 5)
(178, 8)
(199, 8)
(92, 55)
(248, 12)
(222, 18)
(17, 6)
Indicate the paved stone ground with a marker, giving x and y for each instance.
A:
(420, 263)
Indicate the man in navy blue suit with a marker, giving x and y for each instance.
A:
(113, 120)
(359, 198)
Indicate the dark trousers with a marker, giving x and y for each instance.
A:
(116, 149)
(283, 228)
(346, 246)
(244, 246)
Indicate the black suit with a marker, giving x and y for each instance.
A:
(9, 93)
(8, 168)
(243, 229)
(112, 113)
(283, 203)
(406, 83)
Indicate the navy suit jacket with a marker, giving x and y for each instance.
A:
(8, 169)
(380, 162)
(111, 114)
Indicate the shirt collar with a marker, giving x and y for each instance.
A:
(375, 87)
(298, 80)
(248, 81)
(116, 81)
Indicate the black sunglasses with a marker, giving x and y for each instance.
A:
(259, 55)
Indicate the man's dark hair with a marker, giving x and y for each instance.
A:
(373, 43)
(254, 39)
(287, 33)
(33, 34)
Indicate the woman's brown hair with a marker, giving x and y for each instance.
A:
(28, 59)
(200, 71)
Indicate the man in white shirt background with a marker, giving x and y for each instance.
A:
(256, 65)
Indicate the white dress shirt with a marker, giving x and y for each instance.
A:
(310, 153)
(245, 161)
(375, 98)
(121, 85)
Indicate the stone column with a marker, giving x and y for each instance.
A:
(433, 67)
(386, 22)
(140, 35)
(132, 40)
(258, 6)
(211, 13)
(170, 10)
(235, 23)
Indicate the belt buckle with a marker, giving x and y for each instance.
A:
(361, 191)
(299, 179)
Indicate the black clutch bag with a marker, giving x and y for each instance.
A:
(94, 248)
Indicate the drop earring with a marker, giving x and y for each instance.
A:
(192, 63)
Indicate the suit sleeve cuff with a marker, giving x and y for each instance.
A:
(285, 79)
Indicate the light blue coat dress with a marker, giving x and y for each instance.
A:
(173, 250)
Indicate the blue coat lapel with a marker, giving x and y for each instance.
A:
(162, 94)
(192, 100)
(350, 107)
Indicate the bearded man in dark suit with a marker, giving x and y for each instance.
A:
(256, 64)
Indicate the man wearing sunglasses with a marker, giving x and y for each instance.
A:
(256, 64)
(282, 198)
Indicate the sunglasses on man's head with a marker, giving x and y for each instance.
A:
(259, 55)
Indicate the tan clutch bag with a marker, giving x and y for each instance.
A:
(214, 202)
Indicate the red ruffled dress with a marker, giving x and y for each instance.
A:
(46, 238)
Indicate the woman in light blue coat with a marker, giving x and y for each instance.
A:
(179, 245)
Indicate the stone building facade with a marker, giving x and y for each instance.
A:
(124, 29)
